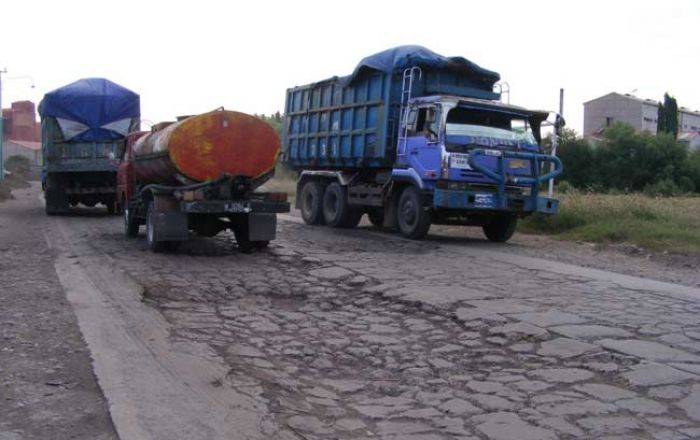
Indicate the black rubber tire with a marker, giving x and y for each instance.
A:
(55, 201)
(312, 203)
(131, 225)
(154, 246)
(49, 203)
(414, 219)
(376, 217)
(501, 228)
(336, 211)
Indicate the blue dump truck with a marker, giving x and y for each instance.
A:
(413, 138)
(83, 133)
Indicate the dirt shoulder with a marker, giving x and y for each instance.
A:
(620, 258)
(47, 385)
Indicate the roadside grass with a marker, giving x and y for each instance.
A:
(658, 224)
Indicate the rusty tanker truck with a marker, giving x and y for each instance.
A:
(200, 175)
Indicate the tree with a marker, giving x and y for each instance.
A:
(667, 116)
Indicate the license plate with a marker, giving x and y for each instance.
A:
(484, 200)
(236, 207)
(460, 161)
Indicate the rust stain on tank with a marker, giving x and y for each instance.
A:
(206, 146)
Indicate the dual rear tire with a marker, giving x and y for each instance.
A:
(328, 204)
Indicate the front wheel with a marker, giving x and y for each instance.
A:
(131, 225)
(414, 219)
(501, 228)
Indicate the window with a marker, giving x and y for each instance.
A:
(470, 127)
(609, 121)
(423, 122)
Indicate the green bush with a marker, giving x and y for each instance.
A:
(665, 188)
(625, 161)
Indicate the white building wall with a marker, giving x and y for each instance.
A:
(10, 148)
(606, 110)
(688, 121)
(650, 115)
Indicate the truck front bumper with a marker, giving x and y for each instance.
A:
(487, 201)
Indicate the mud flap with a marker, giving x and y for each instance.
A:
(261, 226)
(170, 226)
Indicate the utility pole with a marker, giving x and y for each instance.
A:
(555, 138)
(2, 131)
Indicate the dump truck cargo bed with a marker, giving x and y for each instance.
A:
(352, 121)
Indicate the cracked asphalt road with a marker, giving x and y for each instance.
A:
(354, 334)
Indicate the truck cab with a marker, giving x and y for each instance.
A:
(474, 158)
(125, 172)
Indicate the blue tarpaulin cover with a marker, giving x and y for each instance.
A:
(399, 58)
(92, 109)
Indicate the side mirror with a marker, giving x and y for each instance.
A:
(559, 123)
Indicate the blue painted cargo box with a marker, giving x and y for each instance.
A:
(352, 121)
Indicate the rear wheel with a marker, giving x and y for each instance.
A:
(312, 202)
(501, 228)
(153, 245)
(337, 213)
(131, 225)
(413, 218)
(55, 200)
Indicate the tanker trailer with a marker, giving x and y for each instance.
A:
(200, 174)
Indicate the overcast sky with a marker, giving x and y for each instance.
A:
(190, 57)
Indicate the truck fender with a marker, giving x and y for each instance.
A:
(407, 175)
(322, 176)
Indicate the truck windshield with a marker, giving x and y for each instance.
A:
(469, 128)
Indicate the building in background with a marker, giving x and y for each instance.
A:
(21, 132)
(691, 139)
(642, 114)
(29, 149)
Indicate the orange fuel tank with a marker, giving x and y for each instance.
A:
(206, 147)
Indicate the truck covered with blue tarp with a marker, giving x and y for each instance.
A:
(83, 130)
(412, 138)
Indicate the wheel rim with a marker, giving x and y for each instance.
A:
(408, 212)
(308, 199)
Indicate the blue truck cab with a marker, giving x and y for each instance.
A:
(412, 138)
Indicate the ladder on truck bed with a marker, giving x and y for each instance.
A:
(406, 88)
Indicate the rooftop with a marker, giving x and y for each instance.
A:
(31, 145)
(642, 100)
